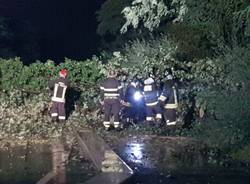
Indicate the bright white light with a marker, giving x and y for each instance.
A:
(137, 96)
(135, 152)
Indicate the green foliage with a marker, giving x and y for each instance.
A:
(192, 41)
(21, 114)
(241, 24)
(217, 85)
(152, 13)
(111, 22)
(227, 122)
(25, 98)
(147, 11)
(213, 78)
(223, 93)
(24, 116)
(141, 57)
(15, 75)
(216, 88)
(223, 20)
(242, 155)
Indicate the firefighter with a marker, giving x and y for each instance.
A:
(151, 100)
(112, 95)
(59, 87)
(133, 96)
(169, 100)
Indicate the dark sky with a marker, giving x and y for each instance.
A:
(63, 28)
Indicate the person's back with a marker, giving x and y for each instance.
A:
(59, 87)
(169, 101)
(112, 93)
(111, 87)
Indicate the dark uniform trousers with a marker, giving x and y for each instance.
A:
(58, 110)
(111, 108)
(112, 92)
(151, 100)
(170, 116)
(169, 111)
(59, 87)
(153, 112)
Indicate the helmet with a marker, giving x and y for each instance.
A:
(111, 73)
(133, 83)
(169, 77)
(63, 73)
(149, 81)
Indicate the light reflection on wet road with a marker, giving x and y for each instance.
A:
(172, 162)
(135, 151)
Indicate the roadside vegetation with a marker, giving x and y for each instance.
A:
(206, 43)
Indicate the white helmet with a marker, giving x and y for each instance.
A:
(133, 84)
(149, 81)
(169, 77)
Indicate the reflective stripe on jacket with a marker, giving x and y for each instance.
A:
(150, 95)
(111, 88)
(169, 96)
(59, 87)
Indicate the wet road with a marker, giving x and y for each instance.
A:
(172, 162)
(24, 164)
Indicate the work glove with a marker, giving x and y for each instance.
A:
(127, 104)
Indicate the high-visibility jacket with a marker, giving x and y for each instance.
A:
(169, 97)
(111, 88)
(59, 87)
(150, 94)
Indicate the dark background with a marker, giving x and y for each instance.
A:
(59, 28)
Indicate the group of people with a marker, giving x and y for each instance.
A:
(142, 102)
(158, 105)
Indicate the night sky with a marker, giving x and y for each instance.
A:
(63, 28)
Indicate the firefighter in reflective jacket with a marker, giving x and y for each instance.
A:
(151, 100)
(112, 94)
(59, 87)
(169, 101)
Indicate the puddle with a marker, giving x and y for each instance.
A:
(173, 160)
(27, 164)
(24, 164)
(153, 160)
